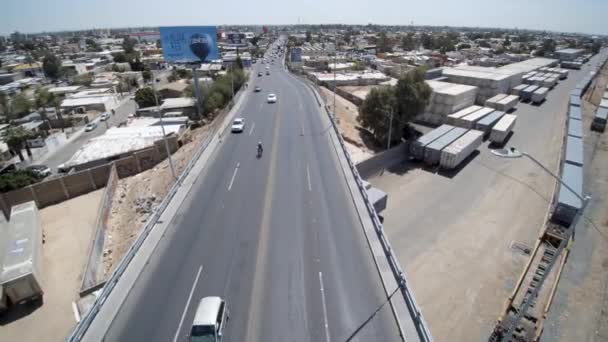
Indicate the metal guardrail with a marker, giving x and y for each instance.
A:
(398, 272)
(85, 322)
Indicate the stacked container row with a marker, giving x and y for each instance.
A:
(502, 128)
(418, 146)
(432, 152)
(485, 124)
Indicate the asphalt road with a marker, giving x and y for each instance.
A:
(277, 237)
(66, 152)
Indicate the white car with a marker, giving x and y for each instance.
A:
(272, 98)
(90, 126)
(105, 116)
(238, 125)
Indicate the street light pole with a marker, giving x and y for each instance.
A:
(162, 127)
(390, 129)
(527, 301)
(335, 66)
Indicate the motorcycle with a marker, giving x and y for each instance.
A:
(260, 150)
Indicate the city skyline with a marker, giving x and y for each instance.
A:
(72, 16)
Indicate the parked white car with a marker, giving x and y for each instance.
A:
(105, 116)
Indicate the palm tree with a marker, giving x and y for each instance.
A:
(44, 99)
(15, 138)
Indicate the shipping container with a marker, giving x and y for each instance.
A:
(491, 102)
(517, 89)
(599, 120)
(574, 151)
(575, 128)
(574, 112)
(604, 103)
(485, 124)
(21, 273)
(575, 100)
(605, 96)
(568, 203)
(432, 152)
(502, 128)
(470, 120)
(461, 148)
(453, 118)
(417, 147)
(507, 103)
(526, 94)
(540, 94)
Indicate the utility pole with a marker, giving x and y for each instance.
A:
(335, 65)
(162, 127)
(390, 129)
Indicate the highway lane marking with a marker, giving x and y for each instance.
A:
(236, 169)
(308, 177)
(251, 130)
(181, 321)
(327, 338)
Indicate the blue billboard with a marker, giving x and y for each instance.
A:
(189, 44)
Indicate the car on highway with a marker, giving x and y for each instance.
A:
(105, 116)
(209, 320)
(272, 98)
(260, 74)
(40, 170)
(238, 125)
(267, 72)
(257, 89)
(90, 126)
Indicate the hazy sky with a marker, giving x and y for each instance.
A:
(589, 16)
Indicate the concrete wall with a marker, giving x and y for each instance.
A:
(380, 161)
(90, 275)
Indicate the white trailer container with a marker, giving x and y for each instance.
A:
(470, 120)
(604, 103)
(452, 119)
(539, 95)
(21, 273)
(563, 73)
(417, 147)
(526, 94)
(605, 96)
(456, 152)
(491, 102)
(502, 128)
(485, 125)
(549, 82)
(507, 103)
(517, 89)
(432, 152)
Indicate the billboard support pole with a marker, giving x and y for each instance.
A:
(197, 93)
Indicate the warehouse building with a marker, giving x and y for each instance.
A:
(569, 54)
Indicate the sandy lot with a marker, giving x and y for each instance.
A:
(347, 112)
(68, 229)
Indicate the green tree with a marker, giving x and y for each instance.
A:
(308, 36)
(464, 46)
(412, 95)
(405, 100)
(359, 66)
(214, 101)
(20, 105)
(547, 48)
(384, 44)
(136, 65)
(408, 42)
(238, 63)
(145, 97)
(51, 65)
(15, 138)
(128, 44)
(158, 44)
(44, 99)
(595, 48)
(375, 111)
(507, 42)
(17, 180)
(84, 79)
(146, 74)
(4, 105)
(427, 41)
(120, 57)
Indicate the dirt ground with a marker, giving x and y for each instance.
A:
(137, 196)
(68, 229)
(347, 113)
(580, 309)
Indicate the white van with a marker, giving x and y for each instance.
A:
(209, 320)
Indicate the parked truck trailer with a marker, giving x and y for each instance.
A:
(460, 149)
(502, 128)
(432, 152)
(417, 147)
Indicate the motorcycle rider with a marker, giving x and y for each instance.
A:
(260, 148)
